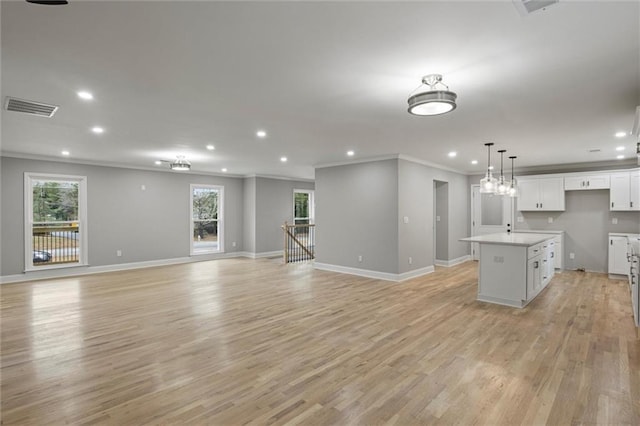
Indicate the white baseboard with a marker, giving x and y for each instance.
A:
(260, 255)
(367, 273)
(452, 262)
(88, 270)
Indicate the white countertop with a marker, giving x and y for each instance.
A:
(513, 239)
(534, 231)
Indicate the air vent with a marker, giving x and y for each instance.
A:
(595, 150)
(30, 107)
(526, 7)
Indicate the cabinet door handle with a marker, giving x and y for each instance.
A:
(536, 264)
(583, 183)
(612, 204)
(587, 183)
(631, 204)
(536, 205)
(553, 254)
(540, 205)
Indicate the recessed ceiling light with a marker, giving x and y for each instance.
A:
(83, 94)
(620, 148)
(452, 154)
(211, 147)
(97, 130)
(283, 159)
(621, 134)
(350, 153)
(490, 167)
(158, 162)
(224, 169)
(620, 157)
(261, 134)
(474, 162)
(65, 152)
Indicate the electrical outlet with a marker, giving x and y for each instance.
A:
(520, 219)
(437, 218)
(360, 258)
(406, 219)
(119, 253)
(410, 260)
(614, 221)
(233, 244)
(572, 255)
(498, 259)
(143, 187)
(550, 219)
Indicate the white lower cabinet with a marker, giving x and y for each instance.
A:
(540, 267)
(534, 276)
(618, 262)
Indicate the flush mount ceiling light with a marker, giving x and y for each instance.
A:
(431, 100)
(181, 164)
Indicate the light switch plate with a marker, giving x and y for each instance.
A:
(614, 221)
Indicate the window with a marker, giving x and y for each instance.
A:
(55, 221)
(206, 219)
(303, 207)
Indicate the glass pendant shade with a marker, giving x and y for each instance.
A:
(513, 185)
(502, 187)
(488, 184)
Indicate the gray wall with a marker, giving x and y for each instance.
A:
(274, 206)
(146, 225)
(416, 202)
(249, 228)
(360, 210)
(442, 225)
(587, 222)
(357, 215)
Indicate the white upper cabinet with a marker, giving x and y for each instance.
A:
(541, 194)
(584, 182)
(625, 191)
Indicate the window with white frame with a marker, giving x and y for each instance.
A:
(303, 206)
(207, 219)
(55, 221)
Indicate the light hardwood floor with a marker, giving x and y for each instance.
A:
(253, 341)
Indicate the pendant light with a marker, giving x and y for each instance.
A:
(502, 187)
(513, 186)
(432, 100)
(488, 183)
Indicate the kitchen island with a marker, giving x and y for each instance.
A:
(514, 268)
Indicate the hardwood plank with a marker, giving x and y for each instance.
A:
(241, 341)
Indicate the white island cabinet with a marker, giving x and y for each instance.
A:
(514, 268)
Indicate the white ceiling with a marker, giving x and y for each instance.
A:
(321, 78)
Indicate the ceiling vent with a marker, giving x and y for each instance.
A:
(30, 107)
(525, 7)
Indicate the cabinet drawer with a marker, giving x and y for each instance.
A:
(534, 251)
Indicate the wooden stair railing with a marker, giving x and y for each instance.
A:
(299, 242)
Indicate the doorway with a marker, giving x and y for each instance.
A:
(440, 222)
(490, 214)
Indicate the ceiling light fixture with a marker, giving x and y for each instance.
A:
(283, 159)
(513, 186)
(431, 100)
(261, 134)
(157, 162)
(620, 157)
(452, 154)
(97, 130)
(621, 134)
(224, 169)
(181, 164)
(211, 147)
(474, 162)
(65, 153)
(503, 187)
(488, 182)
(620, 148)
(83, 94)
(350, 153)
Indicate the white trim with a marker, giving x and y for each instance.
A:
(295, 179)
(367, 273)
(220, 220)
(358, 161)
(431, 164)
(452, 262)
(89, 270)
